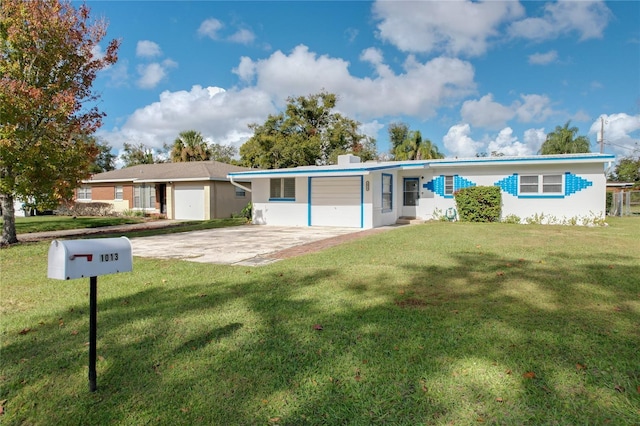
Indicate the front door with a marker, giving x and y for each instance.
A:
(410, 196)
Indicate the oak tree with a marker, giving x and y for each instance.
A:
(48, 63)
(307, 133)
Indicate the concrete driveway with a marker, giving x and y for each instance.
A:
(248, 245)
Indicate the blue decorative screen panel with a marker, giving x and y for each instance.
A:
(437, 184)
(572, 184)
(509, 184)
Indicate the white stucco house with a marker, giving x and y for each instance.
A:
(373, 194)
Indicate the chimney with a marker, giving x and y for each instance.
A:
(348, 159)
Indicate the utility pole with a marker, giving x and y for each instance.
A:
(601, 135)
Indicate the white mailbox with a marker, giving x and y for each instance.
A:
(89, 258)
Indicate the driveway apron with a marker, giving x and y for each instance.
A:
(248, 245)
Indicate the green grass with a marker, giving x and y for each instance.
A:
(435, 324)
(58, 223)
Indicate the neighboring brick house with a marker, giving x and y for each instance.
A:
(196, 190)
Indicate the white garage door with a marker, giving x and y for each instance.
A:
(189, 202)
(336, 201)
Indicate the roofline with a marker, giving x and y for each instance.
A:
(417, 164)
(162, 180)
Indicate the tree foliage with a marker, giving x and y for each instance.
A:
(306, 133)
(627, 170)
(563, 140)
(189, 146)
(134, 154)
(47, 68)
(105, 160)
(408, 144)
(223, 153)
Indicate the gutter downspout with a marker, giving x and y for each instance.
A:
(238, 185)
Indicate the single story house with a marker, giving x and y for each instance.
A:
(196, 190)
(373, 194)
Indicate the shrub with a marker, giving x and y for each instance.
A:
(85, 209)
(479, 204)
(511, 218)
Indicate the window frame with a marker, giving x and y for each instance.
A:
(449, 188)
(118, 192)
(387, 196)
(240, 193)
(547, 185)
(282, 189)
(148, 192)
(83, 193)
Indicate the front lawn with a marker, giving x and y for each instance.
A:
(435, 324)
(59, 223)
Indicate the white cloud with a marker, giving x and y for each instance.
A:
(154, 73)
(148, 49)
(242, 36)
(534, 108)
(221, 116)
(486, 113)
(587, 18)
(543, 58)
(419, 91)
(453, 27)
(209, 28)
(246, 70)
(534, 138)
(459, 143)
(212, 28)
(621, 133)
(507, 144)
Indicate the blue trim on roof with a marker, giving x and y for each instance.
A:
(426, 163)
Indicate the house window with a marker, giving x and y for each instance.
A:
(282, 189)
(119, 193)
(552, 184)
(448, 185)
(240, 193)
(84, 193)
(387, 192)
(144, 197)
(541, 184)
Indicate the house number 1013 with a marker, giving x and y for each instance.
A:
(108, 257)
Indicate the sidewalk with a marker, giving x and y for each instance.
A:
(52, 235)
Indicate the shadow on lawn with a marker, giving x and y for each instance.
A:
(451, 344)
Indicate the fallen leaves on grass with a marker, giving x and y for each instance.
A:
(580, 367)
(529, 375)
(24, 331)
(318, 327)
(498, 399)
(619, 388)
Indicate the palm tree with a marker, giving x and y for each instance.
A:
(190, 146)
(563, 140)
(413, 147)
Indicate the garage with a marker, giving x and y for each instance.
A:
(336, 201)
(189, 202)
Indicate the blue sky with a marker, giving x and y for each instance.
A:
(473, 77)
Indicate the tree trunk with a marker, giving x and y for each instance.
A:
(9, 220)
